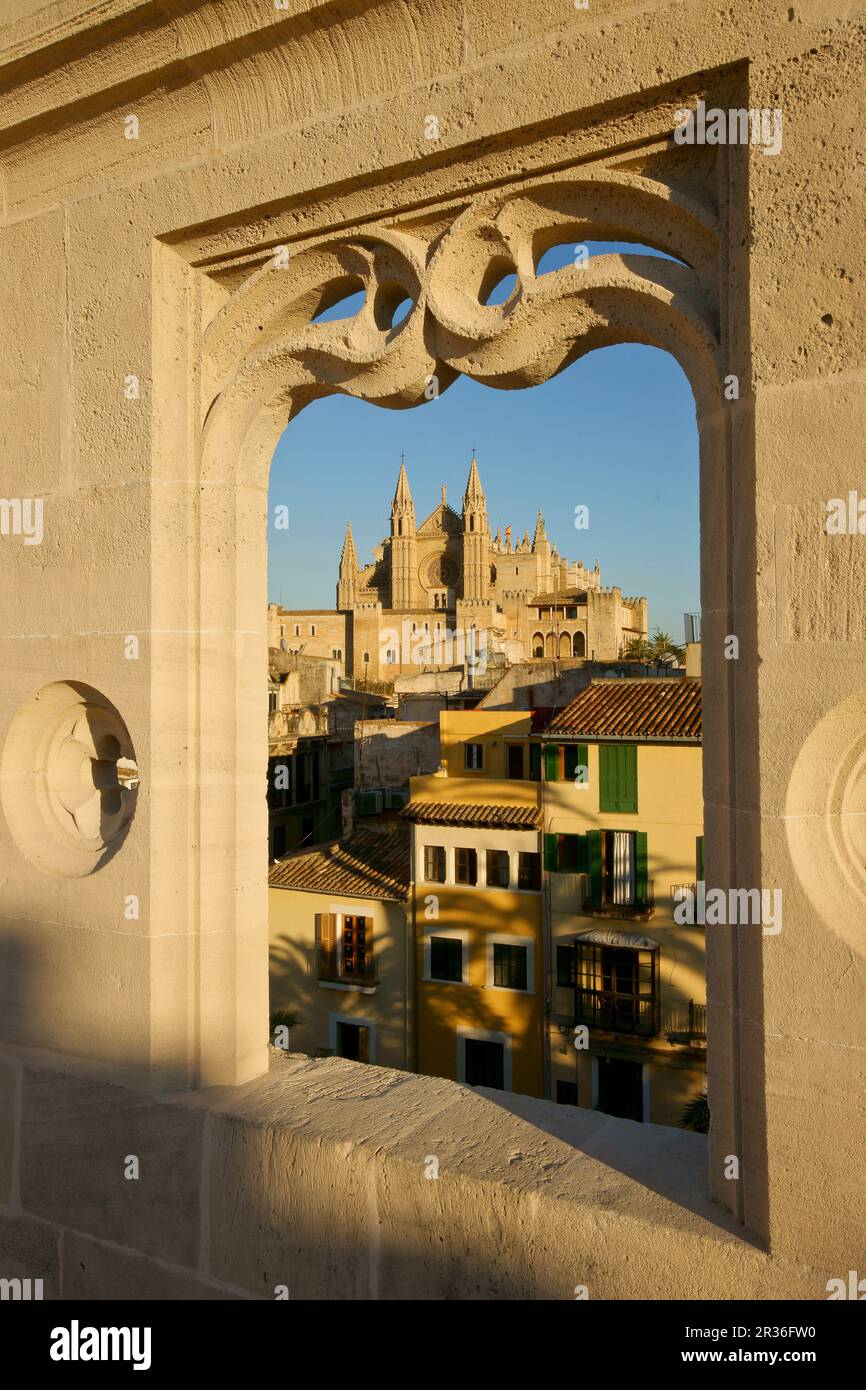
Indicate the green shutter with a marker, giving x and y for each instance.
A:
(594, 838)
(700, 857)
(581, 860)
(535, 762)
(618, 777)
(641, 881)
(551, 763)
(551, 853)
(583, 761)
(608, 765)
(628, 777)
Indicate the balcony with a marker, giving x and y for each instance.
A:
(333, 969)
(640, 908)
(617, 1013)
(687, 1026)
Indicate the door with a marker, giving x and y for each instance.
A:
(620, 1088)
(353, 1042)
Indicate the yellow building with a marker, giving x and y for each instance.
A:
(478, 908)
(623, 829)
(339, 948)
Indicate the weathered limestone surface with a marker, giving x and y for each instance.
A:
(154, 349)
(315, 1177)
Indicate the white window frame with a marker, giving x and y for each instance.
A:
(341, 910)
(504, 939)
(484, 1035)
(358, 1021)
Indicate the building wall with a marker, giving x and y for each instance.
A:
(332, 632)
(478, 916)
(670, 812)
(388, 752)
(294, 982)
(489, 728)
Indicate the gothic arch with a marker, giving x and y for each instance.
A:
(578, 644)
(537, 644)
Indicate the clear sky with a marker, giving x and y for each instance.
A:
(615, 432)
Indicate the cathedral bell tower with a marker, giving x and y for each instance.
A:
(476, 540)
(474, 608)
(404, 561)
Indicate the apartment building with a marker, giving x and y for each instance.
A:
(623, 830)
(478, 907)
(340, 947)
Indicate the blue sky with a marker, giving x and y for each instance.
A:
(615, 432)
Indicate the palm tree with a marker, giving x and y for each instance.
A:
(696, 1114)
(663, 644)
(636, 649)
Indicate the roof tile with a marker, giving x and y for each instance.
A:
(483, 814)
(366, 865)
(656, 707)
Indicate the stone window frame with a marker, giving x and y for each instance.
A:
(251, 384)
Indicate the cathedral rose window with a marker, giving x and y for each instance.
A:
(440, 572)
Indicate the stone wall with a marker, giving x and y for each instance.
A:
(390, 751)
(341, 1181)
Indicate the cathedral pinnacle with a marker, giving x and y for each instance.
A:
(473, 498)
(403, 504)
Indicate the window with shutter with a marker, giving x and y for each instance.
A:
(617, 763)
(595, 867)
(551, 763)
(535, 762)
(551, 853)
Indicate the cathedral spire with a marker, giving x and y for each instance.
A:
(347, 584)
(473, 498)
(349, 559)
(540, 533)
(403, 504)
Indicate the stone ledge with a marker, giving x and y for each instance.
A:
(315, 1177)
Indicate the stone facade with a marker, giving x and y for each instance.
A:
(431, 585)
(183, 190)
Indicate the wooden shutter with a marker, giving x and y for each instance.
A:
(551, 852)
(594, 839)
(551, 763)
(581, 858)
(535, 762)
(641, 881)
(326, 924)
(363, 1044)
(628, 777)
(608, 766)
(699, 844)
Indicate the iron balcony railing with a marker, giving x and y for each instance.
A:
(687, 1024)
(641, 904)
(617, 1013)
(333, 969)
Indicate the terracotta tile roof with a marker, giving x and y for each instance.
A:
(366, 865)
(454, 813)
(663, 707)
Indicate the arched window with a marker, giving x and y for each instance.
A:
(537, 644)
(550, 645)
(578, 644)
